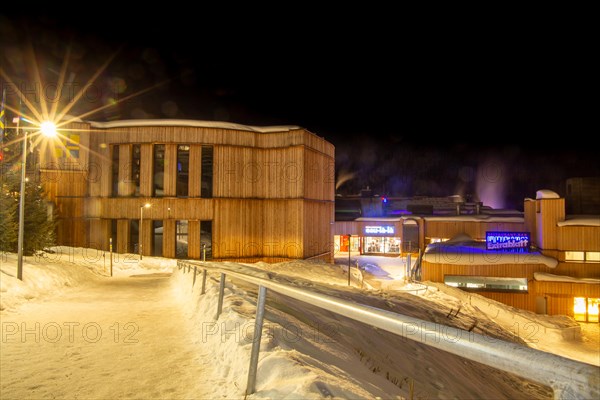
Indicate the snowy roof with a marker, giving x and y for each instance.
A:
(378, 219)
(193, 123)
(462, 250)
(544, 276)
(581, 220)
(475, 218)
(546, 194)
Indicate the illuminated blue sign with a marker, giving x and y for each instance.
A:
(380, 230)
(507, 240)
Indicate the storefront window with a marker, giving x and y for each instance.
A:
(383, 245)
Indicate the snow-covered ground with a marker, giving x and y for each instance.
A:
(143, 334)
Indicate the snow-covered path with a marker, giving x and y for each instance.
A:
(95, 342)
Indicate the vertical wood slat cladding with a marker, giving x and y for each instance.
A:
(249, 228)
(169, 238)
(99, 233)
(531, 220)
(126, 185)
(146, 170)
(195, 168)
(101, 171)
(318, 237)
(319, 175)
(170, 170)
(582, 238)
(123, 229)
(551, 211)
(63, 183)
(147, 237)
(243, 172)
(194, 248)
(121, 208)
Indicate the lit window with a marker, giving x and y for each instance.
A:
(486, 283)
(593, 256)
(579, 309)
(574, 256)
(586, 309)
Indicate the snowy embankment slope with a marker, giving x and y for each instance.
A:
(323, 345)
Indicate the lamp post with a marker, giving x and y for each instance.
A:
(48, 129)
(349, 236)
(147, 205)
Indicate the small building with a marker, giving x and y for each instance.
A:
(179, 187)
(558, 273)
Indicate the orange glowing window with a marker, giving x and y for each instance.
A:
(586, 309)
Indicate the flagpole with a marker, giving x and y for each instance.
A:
(22, 205)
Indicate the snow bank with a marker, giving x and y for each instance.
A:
(192, 123)
(293, 352)
(462, 250)
(546, 194)
(591, 220)
(546, 277)
(65, 267)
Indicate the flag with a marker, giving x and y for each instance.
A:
(2, 118)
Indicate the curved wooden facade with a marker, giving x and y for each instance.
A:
(271, 193)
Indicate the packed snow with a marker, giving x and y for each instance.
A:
(544, 276)
(546, 194)
(580, 220)
(192, 123)
(147, 332)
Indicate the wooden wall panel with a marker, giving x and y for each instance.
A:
(241, 172)
(147, 236)
(318, 230)
(195, 168)
(169, 238)
(319, 176)
(63, 183)
(123, 230)
(583, 238)
(146, 169)
(194, 248)
(126, 185)
(530, 216)
(550, 212)
(250, 228)
(160, 208)
(170, 170)
(99, 234)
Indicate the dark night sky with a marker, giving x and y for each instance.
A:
(415, 105)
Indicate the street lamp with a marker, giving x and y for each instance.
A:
(48, 129)
(147, 205)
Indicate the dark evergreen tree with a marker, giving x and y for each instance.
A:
(39, 225)
(8, 217)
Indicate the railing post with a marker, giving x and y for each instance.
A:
(203, 282)
(258, 324)
(194, 281)
(221, 293)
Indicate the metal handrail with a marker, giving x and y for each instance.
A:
(568, 378)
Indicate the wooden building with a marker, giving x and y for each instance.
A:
(570, 285)
(178, 187)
